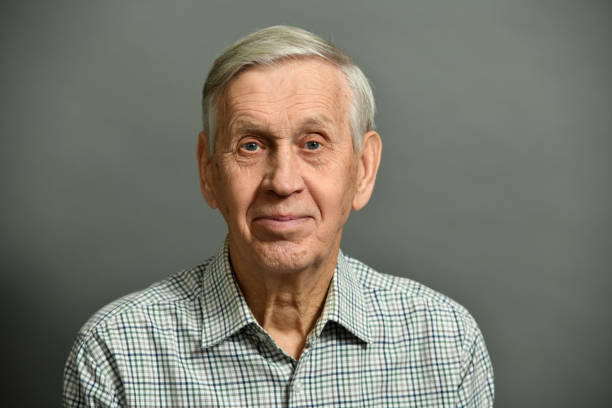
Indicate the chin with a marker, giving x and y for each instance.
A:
(284, 256)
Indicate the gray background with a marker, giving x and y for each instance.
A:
(494, 187)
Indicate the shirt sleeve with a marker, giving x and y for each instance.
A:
(476, 386)
(88, 378)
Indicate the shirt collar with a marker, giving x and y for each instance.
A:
(226, 312)
(346, 303)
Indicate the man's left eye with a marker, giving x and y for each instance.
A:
(250, 146)
(313, 145)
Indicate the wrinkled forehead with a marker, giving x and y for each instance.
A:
(294, 87)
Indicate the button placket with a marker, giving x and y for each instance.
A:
(297, 386)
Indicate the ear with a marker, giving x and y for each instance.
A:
(205, 168)
(368, 162)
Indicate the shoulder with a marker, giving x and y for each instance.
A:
(398, 298)
(428, 331)
(178, 290)
(141, 323)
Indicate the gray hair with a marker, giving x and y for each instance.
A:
(277, 43)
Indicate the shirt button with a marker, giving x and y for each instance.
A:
(297, 386)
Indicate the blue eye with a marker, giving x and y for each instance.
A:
(250, 146)
(312, 145)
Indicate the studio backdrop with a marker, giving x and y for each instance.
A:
(494, 187)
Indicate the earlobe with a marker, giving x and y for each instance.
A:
(369, 161)
(205, 171)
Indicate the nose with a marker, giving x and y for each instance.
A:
(284, 176)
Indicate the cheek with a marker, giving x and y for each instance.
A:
(349, 189)
(238, 189)
(334, 192)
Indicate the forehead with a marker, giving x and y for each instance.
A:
(287, 90)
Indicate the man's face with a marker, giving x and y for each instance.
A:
(284, 172)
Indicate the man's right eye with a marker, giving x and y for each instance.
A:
(250, 146)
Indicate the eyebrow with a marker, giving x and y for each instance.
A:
(246, 125)
(316, 121)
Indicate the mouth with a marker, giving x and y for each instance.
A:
(281, 222)
(281, 218)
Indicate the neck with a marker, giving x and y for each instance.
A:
(286, 304)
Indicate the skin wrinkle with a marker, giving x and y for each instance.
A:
(285, 273)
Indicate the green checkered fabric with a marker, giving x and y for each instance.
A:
(192, 341)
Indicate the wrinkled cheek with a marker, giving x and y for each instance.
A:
(234, 209)
(344, 210)
(225, 201)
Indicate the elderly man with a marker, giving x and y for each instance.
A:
(280, 316)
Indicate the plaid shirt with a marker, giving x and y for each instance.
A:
(192, 341)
